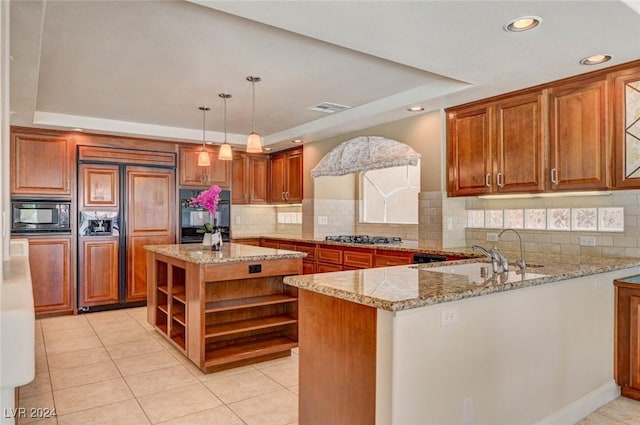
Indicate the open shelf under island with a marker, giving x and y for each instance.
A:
(224, 308)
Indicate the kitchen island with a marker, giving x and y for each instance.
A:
(426, 345)
(224, 308)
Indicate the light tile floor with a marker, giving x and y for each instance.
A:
(112, 368)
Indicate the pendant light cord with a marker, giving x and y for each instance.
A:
(225, 118)
(253, 88)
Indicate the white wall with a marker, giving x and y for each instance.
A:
(4, 130)
(521, 356)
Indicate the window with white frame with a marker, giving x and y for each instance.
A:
(390, 195)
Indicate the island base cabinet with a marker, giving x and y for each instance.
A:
(219, 315)
(627, 370)
(337, 345)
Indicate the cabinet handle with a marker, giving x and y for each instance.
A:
(554, 176)
(487, 180)
(283, 198)
(286, 194)
(500, 180)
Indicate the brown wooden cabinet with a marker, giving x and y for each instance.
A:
(250, 179)
(51, 265)
(219, 172)
(578, 135)
(387, 258)
(286, 183)
(220, 315)
(98, 274)
(98, 186)
(150, 221)
(626, 134)
(627, 344)
(42, 164)
(496, 146)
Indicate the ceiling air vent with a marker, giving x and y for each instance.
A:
(328, 107)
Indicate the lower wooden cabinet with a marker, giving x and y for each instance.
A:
(98, 275)
(51, 263)
(627, 344)
(392, 258)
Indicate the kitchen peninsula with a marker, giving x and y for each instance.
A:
(425, 344)
(224, 308)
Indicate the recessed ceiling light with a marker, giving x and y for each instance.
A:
(267, 149)
(297, 141)
(415, 109)
(595, 59)
(524, 23)
(78, 129)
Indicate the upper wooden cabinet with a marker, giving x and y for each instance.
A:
(219, 172)
(42, 164)
(626, 134)
(578, 135)
(286, 176)
(496, 147)
(249, 179)
(98, 186)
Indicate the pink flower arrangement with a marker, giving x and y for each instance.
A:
(208, 199)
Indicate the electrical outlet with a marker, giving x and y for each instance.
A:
(449, 223)
(587, 241)
(237, 219)
(323, 220)
(449, 317)
(492, 237)
(467, 411)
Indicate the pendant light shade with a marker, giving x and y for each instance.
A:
(225, 149)
(254, 142)
(203, 156)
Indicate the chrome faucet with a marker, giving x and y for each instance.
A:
(490, 255)
(521, 264)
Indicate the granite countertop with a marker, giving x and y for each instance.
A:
(405, 287)
(407, 245)
(230, 253)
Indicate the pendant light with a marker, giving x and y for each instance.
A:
(203, 156)
(254, 143)
(225, 149)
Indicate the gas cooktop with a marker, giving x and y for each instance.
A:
(364, 239)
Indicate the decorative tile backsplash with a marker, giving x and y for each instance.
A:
(560, 219)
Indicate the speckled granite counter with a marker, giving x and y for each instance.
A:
(406, 287)
(408, 246)
(230, 253)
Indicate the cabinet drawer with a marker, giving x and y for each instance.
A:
(392, 258)
(308, 267)
(270, 244)
(325, 268)
(288, 246)
(329, 255)
(310, 250)
(358, 259)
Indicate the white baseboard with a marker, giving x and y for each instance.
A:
(584, 406)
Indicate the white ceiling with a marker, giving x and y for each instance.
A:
(144, 67)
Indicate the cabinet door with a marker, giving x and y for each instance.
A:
(239, 179)
(219, 172)
(150, 221)
(277, 187)
(519, 150)
(98, 186)
(293, 191)
(578, 136)
(50, 260)
(41, 164)
(634, 341)
(258, 179)
(626, 110)
(469, 151)
(98, 277)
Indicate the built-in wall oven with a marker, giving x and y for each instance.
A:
(192, 219)
(39, 216)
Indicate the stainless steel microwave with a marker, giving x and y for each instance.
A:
(40, 216)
